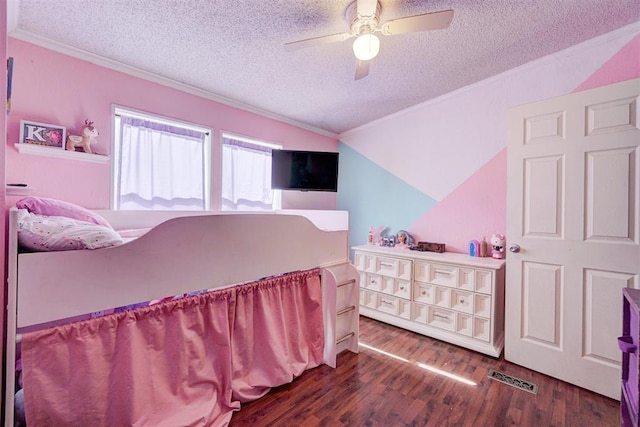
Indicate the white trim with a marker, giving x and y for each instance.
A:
(102, 61)
(553, 57)
(250, 140)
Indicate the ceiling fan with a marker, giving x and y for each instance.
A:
(363, 17)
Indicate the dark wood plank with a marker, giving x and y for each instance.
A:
(374, 389)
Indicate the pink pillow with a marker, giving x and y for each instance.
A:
(53, 207)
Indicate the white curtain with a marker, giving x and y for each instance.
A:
(246, 176)
(161, 166)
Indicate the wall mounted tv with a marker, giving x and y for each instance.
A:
(304, 170)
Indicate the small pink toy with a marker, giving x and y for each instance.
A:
(88, 137)
(497, 246)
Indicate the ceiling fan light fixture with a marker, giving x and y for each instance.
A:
(366, 46)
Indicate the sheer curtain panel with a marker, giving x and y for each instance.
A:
(161, 166)
(246, 176)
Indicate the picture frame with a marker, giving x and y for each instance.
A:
(43, 134)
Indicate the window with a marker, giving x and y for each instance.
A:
(246, 175)
(160, 164)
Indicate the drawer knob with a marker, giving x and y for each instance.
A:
(424, 293)
(626, 345)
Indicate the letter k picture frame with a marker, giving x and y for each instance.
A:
(43, 134)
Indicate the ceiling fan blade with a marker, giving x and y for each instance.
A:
(362, 69)
(316, 41)
(416, 23)
(367, 7)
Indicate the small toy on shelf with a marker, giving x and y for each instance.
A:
(403, 240)
(474, 248)
(498, 243)
(88, 137)
(375, 235)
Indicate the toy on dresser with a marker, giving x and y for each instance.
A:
(88, 137)
(497, 246)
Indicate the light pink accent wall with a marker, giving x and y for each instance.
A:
(50, 87)
(478, 207)
(624, 65)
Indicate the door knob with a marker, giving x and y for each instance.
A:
(514, 248)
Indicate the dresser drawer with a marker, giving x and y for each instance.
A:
(462, 301)
(372, 282)
(464, 324)
(392, 305)
(483, 281)
(442, 296)
(440, 318)
(423, 292)
(367, 298)
(438, 274)
(396, 287)
(419, 312)
(362, 261)
(481, 328)
(394, 267)
(482, 305)
(466, 279)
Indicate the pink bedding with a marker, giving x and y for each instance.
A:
(38, 232)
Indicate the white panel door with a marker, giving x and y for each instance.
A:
(573, 206)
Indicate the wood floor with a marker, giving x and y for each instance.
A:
(376, 389)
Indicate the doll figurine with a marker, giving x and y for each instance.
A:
(403, 239)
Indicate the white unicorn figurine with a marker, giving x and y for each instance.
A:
(88, 137)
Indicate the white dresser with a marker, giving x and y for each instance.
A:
(448, 296)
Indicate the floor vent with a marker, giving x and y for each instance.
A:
(512, 381)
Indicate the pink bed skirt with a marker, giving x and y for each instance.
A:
(188, 362)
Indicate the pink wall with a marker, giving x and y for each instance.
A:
(479, 206)
(624, 65)
(3, 127)
(50, 87)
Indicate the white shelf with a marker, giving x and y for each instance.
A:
(11, 190)
(40, 150)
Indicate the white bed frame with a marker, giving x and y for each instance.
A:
(183, 252)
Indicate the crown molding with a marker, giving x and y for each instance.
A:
(102, 61)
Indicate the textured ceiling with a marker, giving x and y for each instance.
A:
(234, 48)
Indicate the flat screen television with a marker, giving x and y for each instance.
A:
(304, 170)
